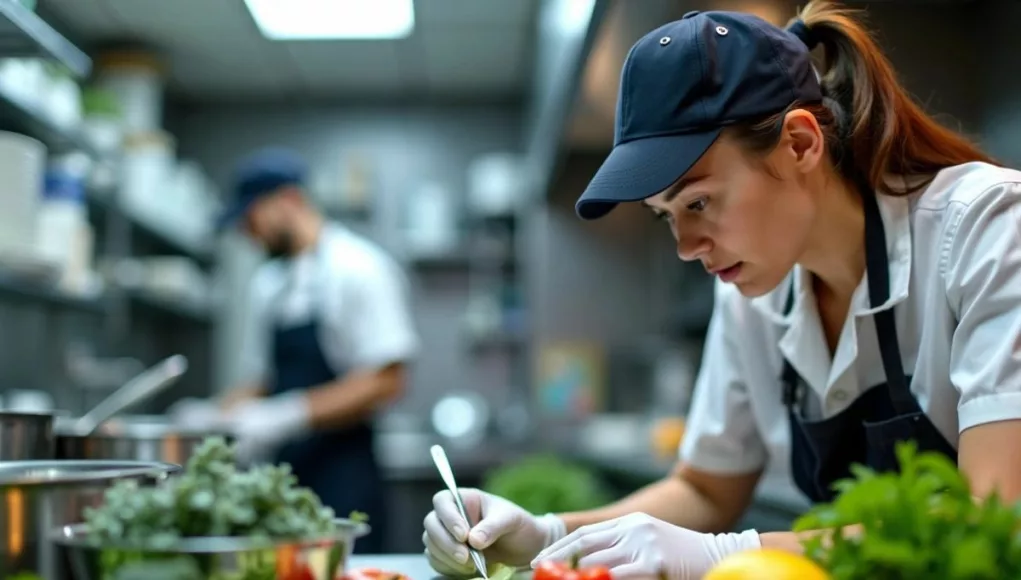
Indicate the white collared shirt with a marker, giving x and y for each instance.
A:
(360, 291)
(955, 286)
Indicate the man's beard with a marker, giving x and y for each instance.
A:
(282, 246)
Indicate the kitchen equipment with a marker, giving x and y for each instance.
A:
(137, 437)
(143, 386)
(25, 435)
(440, 459)
(224, 557)
(41, 496)
(132, 437)
(22, 164)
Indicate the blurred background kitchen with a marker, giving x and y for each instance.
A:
(460, 145)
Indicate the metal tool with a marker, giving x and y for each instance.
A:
(140, 388)
(440, 459)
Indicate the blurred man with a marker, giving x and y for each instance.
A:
(333, 333)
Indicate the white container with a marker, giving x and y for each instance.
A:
(136, 80)
(22, 165)
(61, 216)
(62, 101)
(432, 227)
(147, 169)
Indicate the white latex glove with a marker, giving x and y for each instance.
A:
(191, 413)
(261, 425)
(505, 532)
(640, 546)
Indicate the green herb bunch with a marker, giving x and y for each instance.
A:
(544, 483)
(920, 523)
(210, 498)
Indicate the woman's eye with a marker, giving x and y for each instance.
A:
(697, 205)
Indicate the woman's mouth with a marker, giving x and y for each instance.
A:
(729, 274)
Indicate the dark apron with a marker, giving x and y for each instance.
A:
(338, 465)
(868, 431)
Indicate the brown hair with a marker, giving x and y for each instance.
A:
(873, 127)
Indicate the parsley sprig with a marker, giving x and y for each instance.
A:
(919, 523)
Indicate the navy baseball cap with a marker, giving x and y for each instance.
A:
(681, 85)
(258, 174)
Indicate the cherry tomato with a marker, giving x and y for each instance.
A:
(569, 571)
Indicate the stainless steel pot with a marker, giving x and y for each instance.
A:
(39, 497)
(26, 436)
(139, 438)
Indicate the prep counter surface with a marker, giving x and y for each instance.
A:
(414, 566)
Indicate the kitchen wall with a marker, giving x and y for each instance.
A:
(408, 145)
(617, 280)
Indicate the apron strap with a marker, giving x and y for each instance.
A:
(877, 264)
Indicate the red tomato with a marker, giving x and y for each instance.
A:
(569, 571)
(299, 572)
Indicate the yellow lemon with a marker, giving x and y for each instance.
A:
(766, 565)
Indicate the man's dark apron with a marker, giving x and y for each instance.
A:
(867, 432)
(339, 465)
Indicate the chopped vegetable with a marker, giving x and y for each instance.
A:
(920, 523)
(569, 571)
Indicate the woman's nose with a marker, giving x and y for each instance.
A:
(691, 248)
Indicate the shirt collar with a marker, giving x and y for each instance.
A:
(896, 215)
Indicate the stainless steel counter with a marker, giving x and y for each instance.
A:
(414, 566)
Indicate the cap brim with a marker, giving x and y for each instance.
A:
(639, 169)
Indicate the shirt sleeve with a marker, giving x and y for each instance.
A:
(376, 326)
(721, 434)
(983, 285)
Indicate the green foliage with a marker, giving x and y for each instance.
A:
(544, 483)
(211, 498)
(920, 523)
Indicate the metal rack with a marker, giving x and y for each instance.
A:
(42, 322)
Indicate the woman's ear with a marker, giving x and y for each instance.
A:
(803, 139)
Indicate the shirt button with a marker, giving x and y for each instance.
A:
(840, 396)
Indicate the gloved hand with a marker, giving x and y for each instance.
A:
(191, 413)
(260, 425)
(505, 532)
(641, 546)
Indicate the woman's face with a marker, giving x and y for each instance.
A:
(747, 219)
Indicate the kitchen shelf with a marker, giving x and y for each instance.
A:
(26, 119)
(24, 34)
(15, 287)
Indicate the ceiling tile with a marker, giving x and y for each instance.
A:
(475, 56)
(505, 12)
(90, 19)
(370, 64)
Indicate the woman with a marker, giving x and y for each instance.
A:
(870, 270)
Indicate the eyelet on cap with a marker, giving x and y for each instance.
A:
(664, 41)
(722, 30)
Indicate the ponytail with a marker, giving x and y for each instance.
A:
(868, 116)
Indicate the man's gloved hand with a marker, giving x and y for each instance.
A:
(191, 413)
(261, 425)
(641, 546)
(505, 532)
